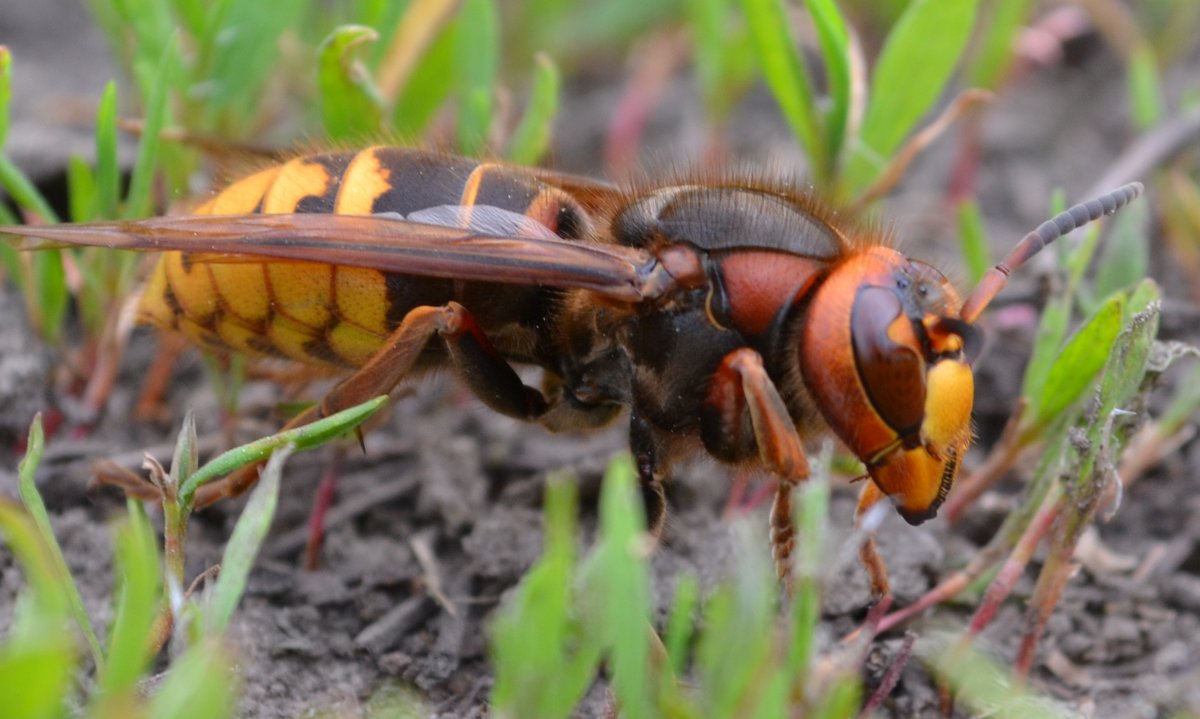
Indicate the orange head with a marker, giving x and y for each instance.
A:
(885, 357)
(886, 351)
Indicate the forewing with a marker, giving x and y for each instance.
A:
(466, 249)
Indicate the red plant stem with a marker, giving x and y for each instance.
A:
(1013, 567)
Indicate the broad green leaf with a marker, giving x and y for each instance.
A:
(1076, 366)
(918, 58)
(351, 105)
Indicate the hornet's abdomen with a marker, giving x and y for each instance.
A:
(329, 315)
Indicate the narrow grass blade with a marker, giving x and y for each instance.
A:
(35, 677)
(1145, 88)
(247, 538)
(524, 658)
(200, 685)
(5, 92)
(427, 88)
(351, 105)
(681, 622)
(1056, 318)
(834, 40)
(81, 190)
(137, 568)
(1125, 257)
(23, 191)
(478, 55)
(619, 584)
(419, 30)
(306, 437)
(139, 202)
(785, 74)
(981, 684)
(531, 139)
(994, 50)
(32, 500)
(917, 59)
(973, 240)
(108, 171)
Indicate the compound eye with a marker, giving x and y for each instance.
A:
(890, 365)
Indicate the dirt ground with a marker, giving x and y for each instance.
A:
(447, 475)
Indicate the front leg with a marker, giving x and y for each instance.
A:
(744, 413)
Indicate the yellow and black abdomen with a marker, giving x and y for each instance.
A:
(329, 315)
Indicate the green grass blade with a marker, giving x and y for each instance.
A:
(477, 56)
(973, 240)
(834, 40)
(1081, 358)
(52, 296)
(81, 190)
(200, 685)
(680, 623)
(1056, 317)
(351, 106)
(1125, 257)
(35, 677)
(32, 499)
(785, 74)
(306, 437)
(994, 53)
(5, 92)
(247, 538)
(426, 89)
(917, 59)
(137, 603)
(624, 583)
(23, 191)
(108, 170)
(531, 139)
(139, 203)
(245, 42)
(1145, 88)
(981, 684)
(559, 647)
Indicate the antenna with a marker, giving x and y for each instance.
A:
(1049, 231)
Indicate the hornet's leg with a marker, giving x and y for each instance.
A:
(653, 469)
(868, 554)
(743, 405)
(487, 374)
